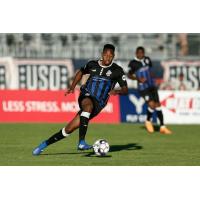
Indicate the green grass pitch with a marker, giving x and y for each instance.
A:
(130, 145)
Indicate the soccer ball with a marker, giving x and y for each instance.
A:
(101, 147)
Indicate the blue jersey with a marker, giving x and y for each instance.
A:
(142, 69)
(102, 80)
(144, 72)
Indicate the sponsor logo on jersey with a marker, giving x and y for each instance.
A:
(123, 77)
(108, 73)
(147, 61)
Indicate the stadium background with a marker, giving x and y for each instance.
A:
(36, 68)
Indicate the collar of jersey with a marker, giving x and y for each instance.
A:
(103, 65)
(139, 59)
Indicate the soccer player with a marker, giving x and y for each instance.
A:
(139, 69)
(94, 95)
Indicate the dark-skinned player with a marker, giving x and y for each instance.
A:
(94, 95)
(140, 70)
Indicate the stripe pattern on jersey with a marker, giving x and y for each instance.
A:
(99, 88)
(144, 72)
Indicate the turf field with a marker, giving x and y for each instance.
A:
(130, 145)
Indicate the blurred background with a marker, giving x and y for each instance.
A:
(85, 46)
(36, 62)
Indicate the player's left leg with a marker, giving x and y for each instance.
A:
(159, 113)
(66, 131)
(163, 128)
(63, 133)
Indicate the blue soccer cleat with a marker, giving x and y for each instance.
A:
(82, 145)
(38, 150)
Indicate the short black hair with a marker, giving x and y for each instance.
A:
(140, 48)
(109, 46)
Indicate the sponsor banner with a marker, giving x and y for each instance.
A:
(181, 107)
(7, 70)
(182, 75)
(47, 74)
(133, 107)
(49, 106)
(35, 74)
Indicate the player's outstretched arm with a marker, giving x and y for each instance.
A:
(77, 78)
(134, 77)
(122, 91)
(131, 76)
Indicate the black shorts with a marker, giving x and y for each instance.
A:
(96, 107)
(150, 94)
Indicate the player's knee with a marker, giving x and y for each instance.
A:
(87, 105)
(88, 108)
(68, 129)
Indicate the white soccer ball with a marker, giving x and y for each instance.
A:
(101, 147)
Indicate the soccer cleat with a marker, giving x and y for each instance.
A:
(149, 126)
(82, 145)
(38, 150)
(165, 130)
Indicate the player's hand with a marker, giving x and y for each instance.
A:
(113, 92)
(142, 80)
(69, 91)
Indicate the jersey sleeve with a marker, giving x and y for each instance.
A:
(131, 68)
(122, 78)
(86, 68)
(148, 61)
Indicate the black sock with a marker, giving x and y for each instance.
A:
(56, 137)
(84, 119)
(160, 117)
(149, 113)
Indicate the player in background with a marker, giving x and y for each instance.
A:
(139, 69)
(94, 95)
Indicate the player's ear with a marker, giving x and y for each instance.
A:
(113, 55)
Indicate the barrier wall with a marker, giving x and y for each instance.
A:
(178, 107)
(133, 108)
(181, 107)
(49, 106)
(189, 70)
(33, 91)
(32, 74)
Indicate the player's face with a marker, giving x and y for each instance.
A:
(107, 57)
(140, 54)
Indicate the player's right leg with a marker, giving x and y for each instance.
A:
(146, 94)
(158, 109)
(163, 128)
(150, 110)
(86, 105)
(63, 133)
